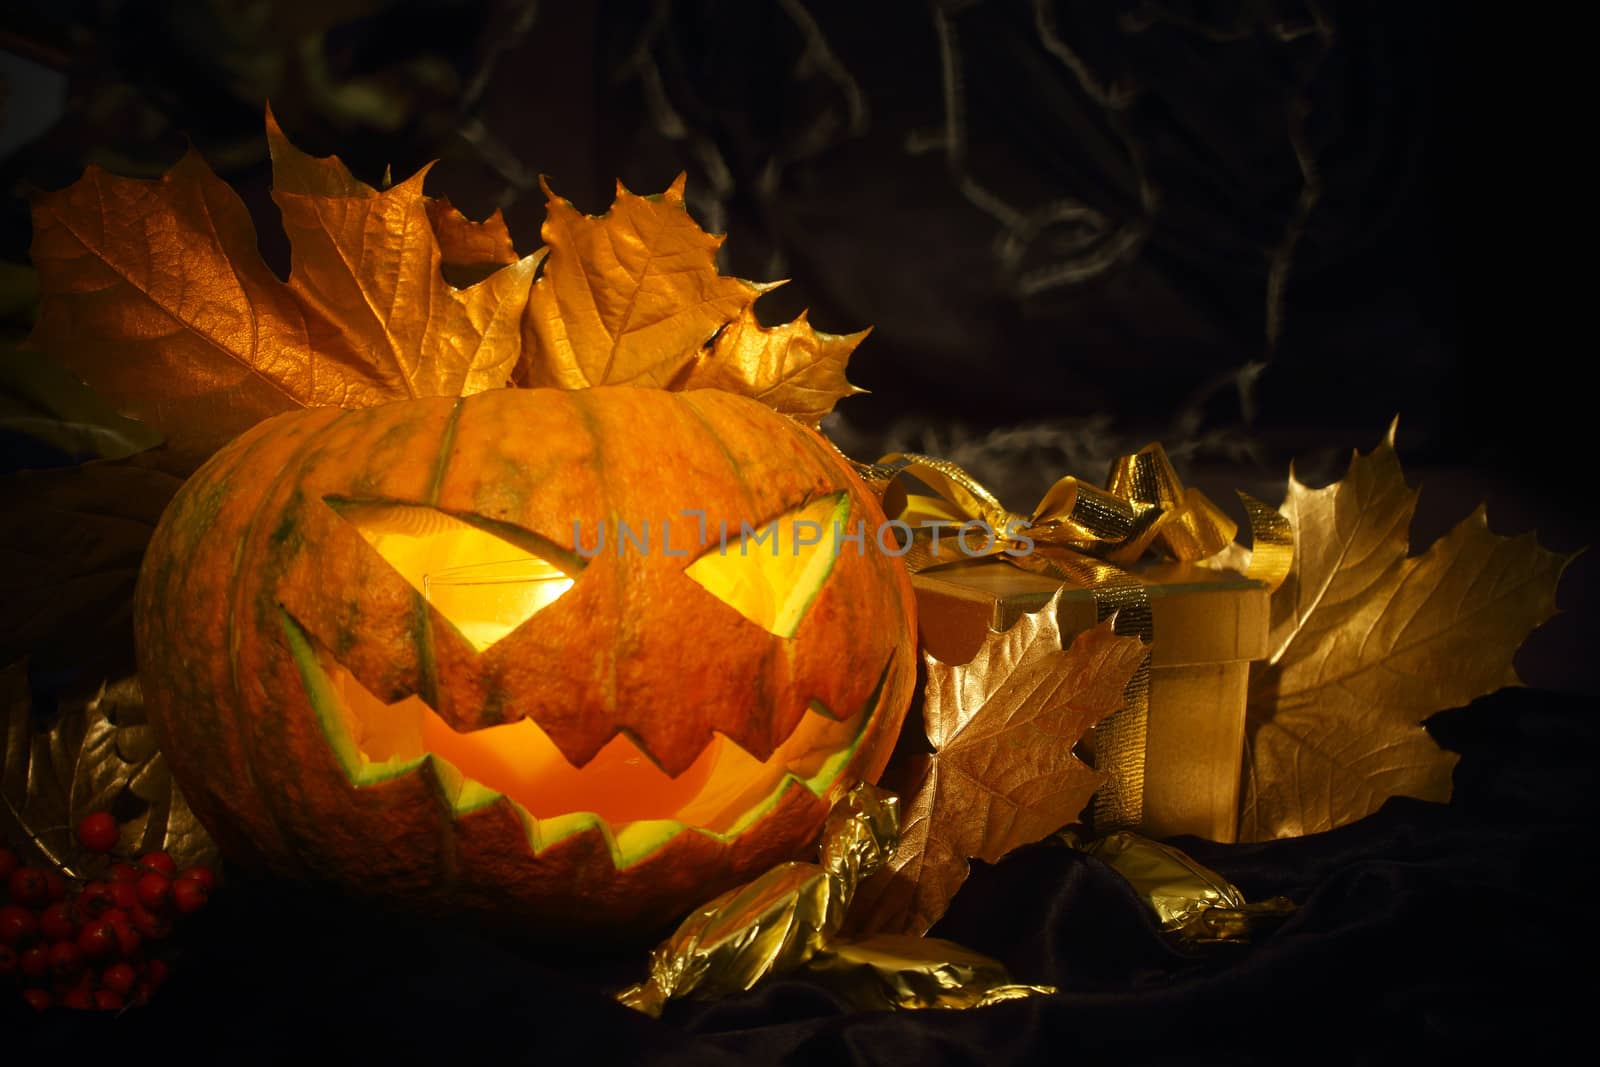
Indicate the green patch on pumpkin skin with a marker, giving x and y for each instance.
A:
(628, 844)
(560, 827)
(815, 575)
(462, 795)
(360, 770)
(641, 839)
(194, 514)
(826, 775)
(285, 530)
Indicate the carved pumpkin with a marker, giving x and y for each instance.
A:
(383, 647)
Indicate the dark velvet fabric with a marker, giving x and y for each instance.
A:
(1424, 930)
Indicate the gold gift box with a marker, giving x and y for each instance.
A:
(1209, 624)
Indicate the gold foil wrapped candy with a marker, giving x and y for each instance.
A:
(787, 920)
(1192, 901)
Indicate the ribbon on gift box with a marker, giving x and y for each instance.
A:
(1084, 534)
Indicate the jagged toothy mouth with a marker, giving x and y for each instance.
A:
(621, 791)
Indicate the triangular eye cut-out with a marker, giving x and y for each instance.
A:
(486, 583)
(772, 576)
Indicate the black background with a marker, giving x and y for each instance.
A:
(1439, 273)
(828, 171)
(1423, 283)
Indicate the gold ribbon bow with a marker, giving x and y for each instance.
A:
(1144, 505)
(1084, 534)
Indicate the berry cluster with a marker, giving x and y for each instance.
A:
(93, 946)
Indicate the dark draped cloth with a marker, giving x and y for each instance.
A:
(1423, 929)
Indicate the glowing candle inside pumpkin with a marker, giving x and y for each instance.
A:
(482, 583)
(620, 784)
(486, 587)
(487, 600)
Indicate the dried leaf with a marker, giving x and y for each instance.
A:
(52, 775)
(70, 551)
(293, 171)
(627, 297)
(40, 402)
(154, 294)
(464, 243)
(791, 368)
(368, 263)
(1002, 774)
(136, 742)
(71, 542)
(97, 783)
(1367, 642)
(634, 297)
(31, 788)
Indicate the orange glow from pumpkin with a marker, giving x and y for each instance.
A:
(487, 600)
(483, 583)
(621, 784)
(771, 576)
(487, 585)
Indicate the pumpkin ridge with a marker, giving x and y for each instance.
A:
(449, 856)
(237, 603)
(809, 439)
(159, 606)
(429, 669)
(577, 400)
(447, 441)
(716, 439)
(762, 697)
(831, 456)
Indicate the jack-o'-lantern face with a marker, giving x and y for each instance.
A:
(586, 657)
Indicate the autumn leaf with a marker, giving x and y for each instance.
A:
(370, 264)
(467, 244)
(1367, 642)
(99, 754)
(627, 297)
(71, 542)
(153, 293)
(1002, 773)
(45, 410)
(634, 297)
(793, 368)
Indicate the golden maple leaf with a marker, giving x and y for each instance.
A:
(71, 540)
(1002, 773)
(633, 297)
(1367, 642)
(793, 368)
(153, 292)
(99, 754)
(628, 297)
(369, 261)
(464, 243)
